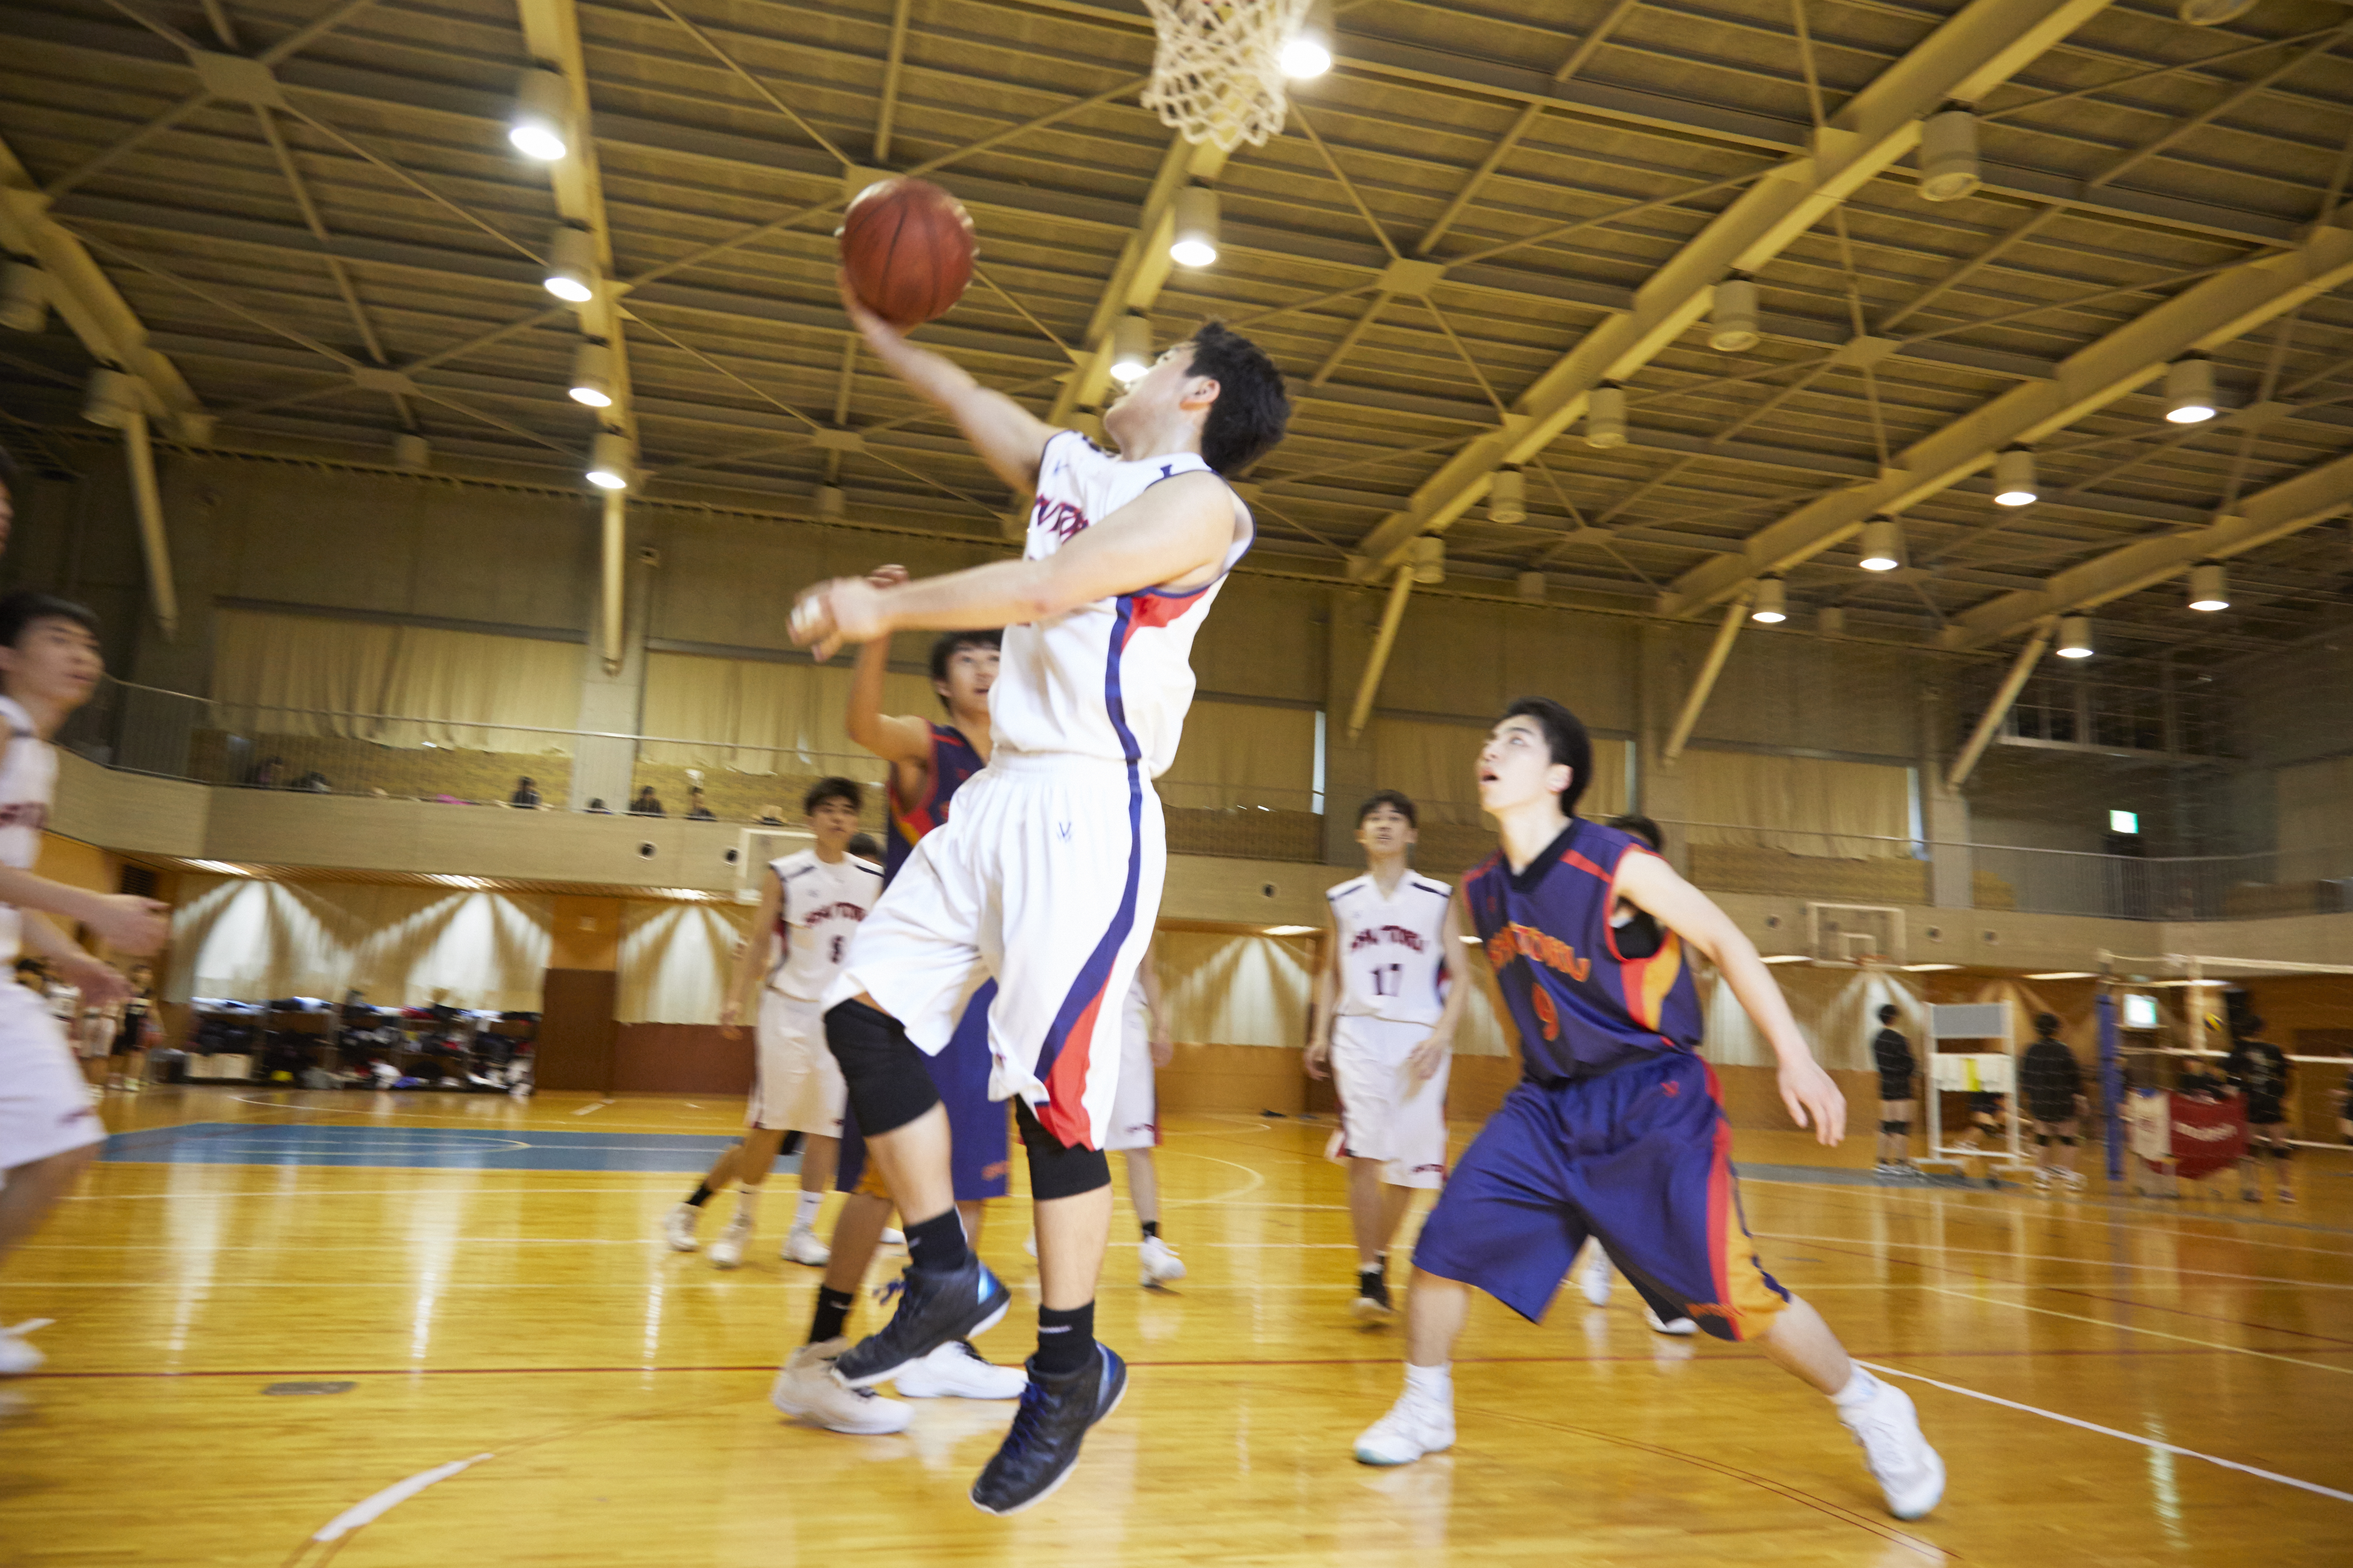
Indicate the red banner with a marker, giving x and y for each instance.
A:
(2208, 1135)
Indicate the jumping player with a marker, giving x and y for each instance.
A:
(929, 763)
(809, 912)
(1048, 874)
(1618, 1130)
(50, 665)
(2051, 1082)
(1144, 1047)
(2263, 1075)
(1385, 1019)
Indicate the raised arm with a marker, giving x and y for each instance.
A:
(1812, 1096)
(752, 961)
(899, 740)
(97, 979)
(1431, 1054)
(1007, 437)
(126, 920)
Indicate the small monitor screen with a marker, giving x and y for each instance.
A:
(2124, 822)
(2140, 1011)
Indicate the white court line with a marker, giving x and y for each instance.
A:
(1978, 1214)
(374, 1507)
(2112, 1432)
(2128, 1328)
(587, 1110)
(2051, 1258)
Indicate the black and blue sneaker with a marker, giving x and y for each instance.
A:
(1042, 1449)
(934, 1307)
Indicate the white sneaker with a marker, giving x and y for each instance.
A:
(803, 1247)
(809, 1389)
(1415, 1425)
(956, 1371)
(1593, 1279)
(1159, 1262)
(1030, 1245)
(1681, 1328)
(1899, 1458)
(16, 1357)
(727, 1252)
(2043, 1177)
(678, 1228)
(891, 1238)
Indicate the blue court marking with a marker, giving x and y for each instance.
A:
(427, 1148)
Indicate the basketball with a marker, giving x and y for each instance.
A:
(907, 246)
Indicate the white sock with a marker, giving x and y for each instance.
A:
(1431, 1382)
(805, 1217)
(747, 1204)
(1858, 1390)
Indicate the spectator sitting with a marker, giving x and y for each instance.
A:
(596, 806)
(773, 816)
(647, 804)
(697, 810)
(312, 783)
(268, 773)
(526, 795)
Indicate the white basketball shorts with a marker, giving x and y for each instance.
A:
(45, 1106)
(1386, 1112)
(799, 1087)
(1134, 1108)
(1047, 876)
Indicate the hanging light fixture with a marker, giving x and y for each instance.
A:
(2013, 478)
(412, 452)
(1194, 240)
(1883, 545)
(1427, 555)
(2075, 636)
(832, 502)
(1733, 325)
(111, 399)
(572, 265)
(1770, 605)
(1307, 53)
(1530, 587)
(2209, 586)
(543, 106)
(1605, 416)
(592, 374)
(24, 297)
(1949, 155)
(611, 461)
(2189, 391)
(1508, 497)
(1131, 349)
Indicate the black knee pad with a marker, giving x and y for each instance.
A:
(2042, 1139)
(889, 1083)
(1058, 1169)
(1896, 1129)
(2070, 1141)
(791, 1143)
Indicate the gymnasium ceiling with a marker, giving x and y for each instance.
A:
(342, 246)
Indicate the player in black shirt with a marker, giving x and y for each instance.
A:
(2051, 1081)
(2261, 1073)
(1890, 1053)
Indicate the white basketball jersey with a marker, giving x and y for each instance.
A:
(1113, 679)
(815, 918)
(1393, 956)
(28, 773)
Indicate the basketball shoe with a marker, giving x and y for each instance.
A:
(1887, 1428)
(956, 1371)
(809, 1390)
(1372, 1304)
(1593, 1278)
(1158, 1263)
(935, 1308)
(16, 1356)
(803, 1247)
(1418, 1424)
(727, 1252)
(1043, 1444)
(1681, 1328)
(678, 1228)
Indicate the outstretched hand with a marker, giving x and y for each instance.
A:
(870, 326)
(886, 577)
(847, 609)
(1813, 1099)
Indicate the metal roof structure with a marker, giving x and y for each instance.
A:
(302, 219)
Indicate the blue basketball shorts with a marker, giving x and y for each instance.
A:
(1640, 1158)
(980, 1128)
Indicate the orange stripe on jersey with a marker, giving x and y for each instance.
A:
(1648, 981)
(1572, 857)
(1750, 1304)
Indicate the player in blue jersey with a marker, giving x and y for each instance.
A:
(1618, 1131)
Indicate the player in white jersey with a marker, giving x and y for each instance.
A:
(1145, 1046)
(1385, 1019)
(50, 665)
(1047, 875)
(809, 910)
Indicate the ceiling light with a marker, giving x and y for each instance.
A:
(2065, 974)
(592, 374)
(219, 868)
(1508, 497)
(1883, 545)
(1771, 602)
(2208, 586)
(1427, 555)
(24, 297)
(1307, 53)
(1605, 416)
(1733, 323)
(2075, 636)
(1949, 155)
(611, 461)
(572, 265)
(1193, 241)
(1130, 347)
(1293, 931)
(1925, 968)
(1787, 958)
(111, 399)
(412, 452)
(473, 884)
(2189, 391)
(543, 105)
(2013, 478)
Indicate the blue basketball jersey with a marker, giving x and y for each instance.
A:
(953, 762)
(1581, 1005)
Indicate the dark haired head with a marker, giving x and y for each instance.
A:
(864, 846)
(1641, 827)
(8, 470)
(2249, 1028)
(834, 788)
(2046, 1023)
(1889, 1013)
(1564, 739)
(1397, 800)
(945, 646)
(22, 608)
(1251, 409)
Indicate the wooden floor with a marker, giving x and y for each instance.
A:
(613, 1394)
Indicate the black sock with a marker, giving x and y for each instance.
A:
(1065, 1340)
(832, 1314)
(1152, 1230)
(936, 1245)
(702, 1195)
(1371, 1274)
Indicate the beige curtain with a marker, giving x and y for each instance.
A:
(1433, 762)
(1837, 1011)
(1235, 990)
(675, 959)
(253, 941)
(760, 716)
(310, 675)
(1244, 753)
(2314, 804)
(1805, 805)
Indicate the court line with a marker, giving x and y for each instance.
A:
(2112, 1432)
(2186, 1312)
(2128, 1328)
(1946, 1211)
(2055, 1258)
(370, 1509)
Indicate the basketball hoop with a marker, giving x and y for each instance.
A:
(1217, 73)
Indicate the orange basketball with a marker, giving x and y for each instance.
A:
(907, 248)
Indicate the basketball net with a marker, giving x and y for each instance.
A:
(1216, 74)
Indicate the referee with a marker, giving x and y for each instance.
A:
(1892, 1054)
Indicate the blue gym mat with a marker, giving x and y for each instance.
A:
(430, 1148)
